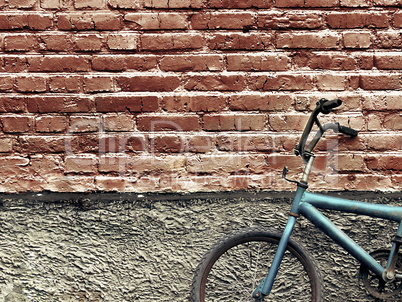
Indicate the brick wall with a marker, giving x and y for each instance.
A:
(196, 95)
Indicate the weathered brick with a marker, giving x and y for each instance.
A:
(320, 40)
(357, 40)
(156, 21)
(192, 103)
(173, 4)
(84, 123)
(68, 83)
(286, 122)
(259, 102)
(20, 42)
(161, 122)
(98, 84)
(388, 60)
(380, 81)
(238, 122)
(12, 104)
(6, 83)
(240, 3)
(108, 183)
(51, 123)
(89, 4)
(31, 84)
(216, 82)
(171, 41)
(123, 41)
(51, 4)
(117, 103)
(120, 122)
(58, 63)
(16, 124)
(281, 20)
(168, 144)
(56, 42)
(358, 20)
(21, 3)
(55, 104)
(126, 4)
(282, 82)
(258, 62)
(148, 83)
(192, 63)
(235, 41)
(332, 82)
(239, 20)
(81, 163)
(90, 42)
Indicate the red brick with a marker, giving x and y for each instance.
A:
(173, 3)
(238, 122)
(388, 60)
(358, 20)
(14, 166)
(357, 40)
(6, 145)
(98, 84)
(281, 20)
(123, 103)
(320, 40)
(90, 42)
(386, 162)
(83, 143)
(234, 41)
(50, 104)
(112, 144)
(161, 122)
(287, 122)
(123, 41)
(51, 4)
(333, 61)
(68, 83)
(216, 82)
(126, 4)
(168, 144)
(81, 164)
(6, 83)
(20, 42)
(136, 143)
(16, 124)
(51, 123)
(156, 21)
(397, 20)
(380, 81)
(56, 42)
(31, 84)
(238, 20)
(387, 2)
(192, 63)
(393, 122)
(240, 3)
(75, 21)
(21, 3)
(89, 4)
(113, 163)
(351, 163)
(200, 143)
(282, 82)
(10, 104)
(172, 41)
(120, 122)
(84, 124)
(192, 103)
(106, 21)
(109, 63)
(110, 184)
(13, 21)
(321, 3)
(40, 21)
(56, 63)
(148, 83)
(331, 82)
(354, 3)
(388, 39)
(141, 62)
(258, 62)
(261, 102)
(289, 3)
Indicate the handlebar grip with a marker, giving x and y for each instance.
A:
(348, 131)
(327, 105)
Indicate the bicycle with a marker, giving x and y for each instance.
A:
(235, 268)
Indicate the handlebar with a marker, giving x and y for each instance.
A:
(323, 106)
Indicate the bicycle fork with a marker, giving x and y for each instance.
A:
(265, 287)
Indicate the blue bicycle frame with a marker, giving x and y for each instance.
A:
(307, 204)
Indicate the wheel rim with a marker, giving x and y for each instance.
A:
(235, 273)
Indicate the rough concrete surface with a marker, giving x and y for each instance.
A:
(127, 247)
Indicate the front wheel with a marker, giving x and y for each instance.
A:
(235, 266)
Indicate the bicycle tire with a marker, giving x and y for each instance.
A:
(230, 261)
